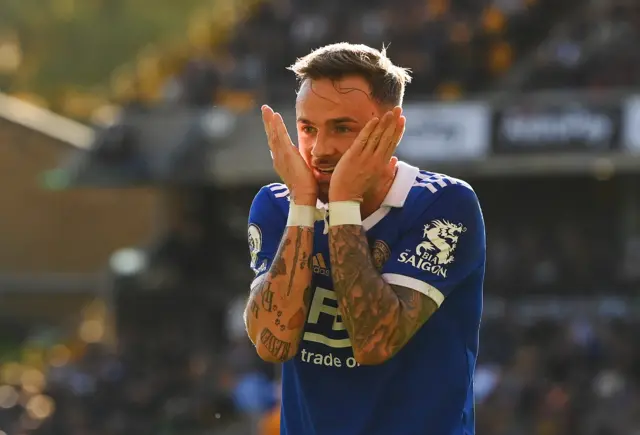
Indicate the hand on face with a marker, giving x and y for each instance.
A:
(367, 160)
(287, 161)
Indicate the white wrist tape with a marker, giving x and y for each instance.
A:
(301, 216)
(344, 213)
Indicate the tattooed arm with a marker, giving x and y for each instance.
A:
(380, 318)
(279, 301)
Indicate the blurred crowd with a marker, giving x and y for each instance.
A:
(235, 54)
(567, 257)
(151, 384)
(580, 376)
(453, 47)
(557, 236)
(593, 50)
(183, 364)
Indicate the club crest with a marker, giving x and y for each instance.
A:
(380, 254)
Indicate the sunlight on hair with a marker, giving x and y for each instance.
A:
(336, 61)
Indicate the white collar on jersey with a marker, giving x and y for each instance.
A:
(396, 197)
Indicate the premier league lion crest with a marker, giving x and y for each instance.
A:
(255, 245)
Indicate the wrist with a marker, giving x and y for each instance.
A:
(306, 199)
(344, 213)
(301, 215)
(337, 196)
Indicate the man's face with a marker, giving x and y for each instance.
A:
(329, 115)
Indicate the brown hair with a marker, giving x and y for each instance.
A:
(336, 61)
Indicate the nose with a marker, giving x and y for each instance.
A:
(322, 147)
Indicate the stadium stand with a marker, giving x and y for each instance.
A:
(181, 368)
(592, 50)
(569, 377)
(453, 47)
(192, 371)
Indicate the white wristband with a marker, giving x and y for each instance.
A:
(301, 216)
(344, 213)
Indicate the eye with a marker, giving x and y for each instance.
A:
(342, 129)
(307, 129)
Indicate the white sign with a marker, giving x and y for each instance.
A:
(446, 131)
(631, 124)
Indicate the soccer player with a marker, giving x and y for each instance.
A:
(369, 271)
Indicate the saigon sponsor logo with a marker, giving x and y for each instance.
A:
(436, 251)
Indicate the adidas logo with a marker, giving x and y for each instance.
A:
(319, 266)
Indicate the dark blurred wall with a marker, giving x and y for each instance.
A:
(67, 231)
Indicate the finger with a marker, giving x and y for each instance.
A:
(388, 135)
(281, 130)
(274, 140)
(267, 116)
(281, 141)
(393, 162)
(374, 139)
(272, 134)
(364, 134)
(396, 138)
(389, 139)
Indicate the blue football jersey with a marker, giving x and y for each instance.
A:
(428, 235)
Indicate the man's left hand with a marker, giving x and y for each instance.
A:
(368, 159)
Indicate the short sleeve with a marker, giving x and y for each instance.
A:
(442, 247)
(266, 226)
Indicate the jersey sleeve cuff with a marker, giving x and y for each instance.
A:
(415, 284)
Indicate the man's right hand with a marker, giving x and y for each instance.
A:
(287, 161)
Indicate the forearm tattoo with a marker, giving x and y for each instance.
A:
(296, 259)
(379, 318)
(280, 301)
(279, 349)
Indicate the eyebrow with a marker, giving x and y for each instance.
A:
(341, 120)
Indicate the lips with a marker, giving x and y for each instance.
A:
(323, 175)
(326, 170)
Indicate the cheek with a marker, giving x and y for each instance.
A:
(305, 147)
(343, 143)
(336, 145)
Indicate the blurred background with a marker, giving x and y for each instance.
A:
(131, 147)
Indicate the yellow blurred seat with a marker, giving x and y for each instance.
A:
(270, 423)
(236, 100)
